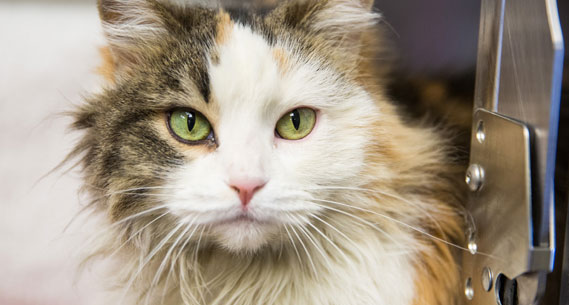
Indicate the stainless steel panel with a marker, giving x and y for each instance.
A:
(489, 54)
(500, 206)
(517, 97)
(530, 86)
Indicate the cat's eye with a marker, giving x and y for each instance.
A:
(296, 124)
(189, 125)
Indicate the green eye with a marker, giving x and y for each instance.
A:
(189, 125)
(296, 124)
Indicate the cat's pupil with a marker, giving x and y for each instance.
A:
(191, 120)
(295, 118)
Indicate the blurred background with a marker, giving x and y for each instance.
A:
(48, 58)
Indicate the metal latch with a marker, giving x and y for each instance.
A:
(504, 260)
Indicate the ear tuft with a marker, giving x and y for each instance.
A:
(127, 20)
(341, 26)
(341, 18)
(128, 26)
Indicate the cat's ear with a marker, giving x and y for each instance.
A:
(341, 24)
(129, 26)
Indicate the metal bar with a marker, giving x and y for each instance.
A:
(489, 54)
(529, 89)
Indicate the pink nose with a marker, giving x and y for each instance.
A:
(246, 189)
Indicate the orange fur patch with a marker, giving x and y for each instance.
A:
(282, 60)
(107, 67)
(224, 27)
(436, 265)
(437, 272)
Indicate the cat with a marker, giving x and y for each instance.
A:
(244, 158)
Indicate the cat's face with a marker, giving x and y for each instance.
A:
(231, 127)
(254, 85)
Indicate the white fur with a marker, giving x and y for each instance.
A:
(252, 92)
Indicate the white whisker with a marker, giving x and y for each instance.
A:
(372, 225)
(137, 232)
(314, 243)
(165, 260)
(146, 260)
(307, 253)
(113, 225)
(394, 196)
(407, 226)
(331, 242)
(293, 244)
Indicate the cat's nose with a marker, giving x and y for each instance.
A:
(246, 189)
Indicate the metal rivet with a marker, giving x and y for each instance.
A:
(480, 132)
(486, 279)
(474, 177)
(468, 290)
(472, 247)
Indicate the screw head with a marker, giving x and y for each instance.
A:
(480, 132)
(474, 177)
(468, 290)
(487, 279)
(472, 247)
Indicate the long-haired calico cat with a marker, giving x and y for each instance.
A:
(255, 159)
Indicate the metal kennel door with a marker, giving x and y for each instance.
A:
(513, 145)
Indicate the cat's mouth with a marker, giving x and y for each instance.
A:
(244, 231)
(242, 219)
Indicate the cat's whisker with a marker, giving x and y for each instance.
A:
(394, 196)
(113, 225)
(149, 257)
(380, 192)
(167, 196)
(137, 233)
(372, 225)
(281, 244)
(144, 188)
(335, 229)
(333, 244)
(182, 261)
(374, 191)
(354, 245)
(307, 253)
(132, 192)
(293, 244)
(181, 249)
(134, 188)
(310, 238)
(198, 278)
(187, 292)
(167, 256)
(407, 226)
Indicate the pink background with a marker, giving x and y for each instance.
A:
(47, 57)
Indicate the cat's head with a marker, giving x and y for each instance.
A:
(233, 124)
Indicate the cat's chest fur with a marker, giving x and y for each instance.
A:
(371, 274)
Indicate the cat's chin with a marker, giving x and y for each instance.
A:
(244, 235)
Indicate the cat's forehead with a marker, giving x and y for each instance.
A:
(245, 67)
(215, 59)
(251, 63)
